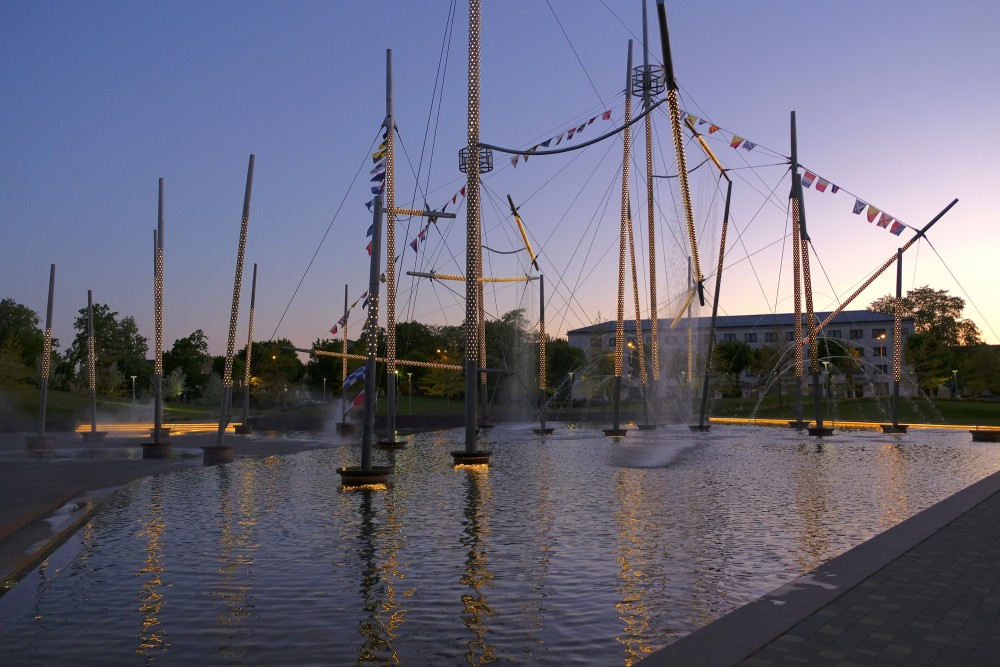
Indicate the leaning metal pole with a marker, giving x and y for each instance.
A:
(246, 365)
(675, 125)
(647, 96)
(616, 429)
(472, 234)
(158, 323)
(702, 426)
(819, 429)
(639, 343)
(343, 362)
(227, 376)
(46, 361)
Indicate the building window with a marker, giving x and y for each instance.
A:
(861, 351)
(878, 334)
(881, 368)
(770, 337)
(879, 351)
(835, 333)
(750, 337)
(728, 338)
(856, 334)
(789, 336)
(905, 331)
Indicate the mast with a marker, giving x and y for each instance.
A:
(158, 317)
(616, 430)
(647, 99)
(46, 361)
(343, 363)
(390, 252)
(797, 284)
(473, 250)
(91, 363)
(675, 125)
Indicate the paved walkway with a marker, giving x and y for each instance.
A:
(926, 592)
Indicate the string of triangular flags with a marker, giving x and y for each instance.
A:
(576, 130)
(884, 220)
(343, 320)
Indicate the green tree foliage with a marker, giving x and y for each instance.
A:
(20, 332)
(930, 359)
(561, 359)
(934, 312)
(732, 358)
(275, 369)
(117, 343)
(189, 355)
(13, 370)
(174, 384)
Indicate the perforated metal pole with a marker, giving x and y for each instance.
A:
(246, 365)
(227, 376)
(897, 339)
(46, 361)
(390, 253)
(622, 242)
(91, 362)
(371, 326)
(158, 323)
(472, 234)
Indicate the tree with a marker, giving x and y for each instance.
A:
(19, 328)
(934, 312)
(189, 355)
(562, 359)
(117, 343)
(173, 384)
(321, 366)
(930, 359)
(732, 357)
(13, 370)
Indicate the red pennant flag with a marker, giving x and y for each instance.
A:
(712, 129)
(821, 184)
(808, 178)
(606, 115)
(334, 329)
(735, 143)
(462, 191)
(369, 248)
(872, 213)
(359, 401)
(569, 133)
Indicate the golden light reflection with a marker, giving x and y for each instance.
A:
(633, 563)
(238, 547)
(382, 572)
(894, 501)
(143, 428)
(811, 485)
(477, 576)
(152, 637)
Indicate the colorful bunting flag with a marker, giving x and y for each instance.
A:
(369, 248)
(359, 401)
(808, 178)
(371, 228)
(377, 168)
(872, 213)
(580, 129)
(559, 138)
(821, 184)
(414, 243)
(712, 129)
(897, 228)
(735, 143)
(606, 115)
(546, 143)
(569, 133)
(694, 119)
(334, 330)
(884, 220)
(859, 206)
(357, 374)
(378, 178)
(513, 161)
(378, 156)
(462, 191)
(834, 189)
(591, 121)
(749, 145)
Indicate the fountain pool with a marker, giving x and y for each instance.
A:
(569, 549)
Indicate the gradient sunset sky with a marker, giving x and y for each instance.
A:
(895, 102)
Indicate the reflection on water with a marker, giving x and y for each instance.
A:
(569, 549)
(477, 575)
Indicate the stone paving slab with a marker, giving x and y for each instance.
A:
(925, 592)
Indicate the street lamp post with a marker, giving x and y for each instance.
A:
(324, 391)
(954, 383)
(409, 390)
(826, 369)
(133, 389)
(571, 389)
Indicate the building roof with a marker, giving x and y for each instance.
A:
(763, 321)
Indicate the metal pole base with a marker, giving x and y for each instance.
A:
(648, 427)
(463, 458)
(894, 428)
(820, 430)
(156, 450)
(355, 477)
(543, 431)
(700, 428)
(216, 454)
(39, 442)
(982, 435)
(345, 427)
(798, 425)
(164, 432)
(93, 436)
(615, 432)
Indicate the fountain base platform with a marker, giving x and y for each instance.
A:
(93, 436)
(547, 430)
(243, 429)
(391, 444)
(215, 454)
(345, 427)
(38, 442)
(463, 458)
(798, 425)
(820, 430)
(355, 476)
(648, 427)
(615, 432)
(979, 435)
(894, 428)
(700, 428)
(157, 450)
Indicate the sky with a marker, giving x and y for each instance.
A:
(895, 103)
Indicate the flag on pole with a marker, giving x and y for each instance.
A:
(414, 243)
(334, 330)
(359, 401)
(379, 177)
(371, 228)
(546, 143)
(377, 168)
(369, 248)
(872, 213)
(591, 121)
(355, 375)
(513, 161)
(859, 206)
(808, 178)
(580, 129)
